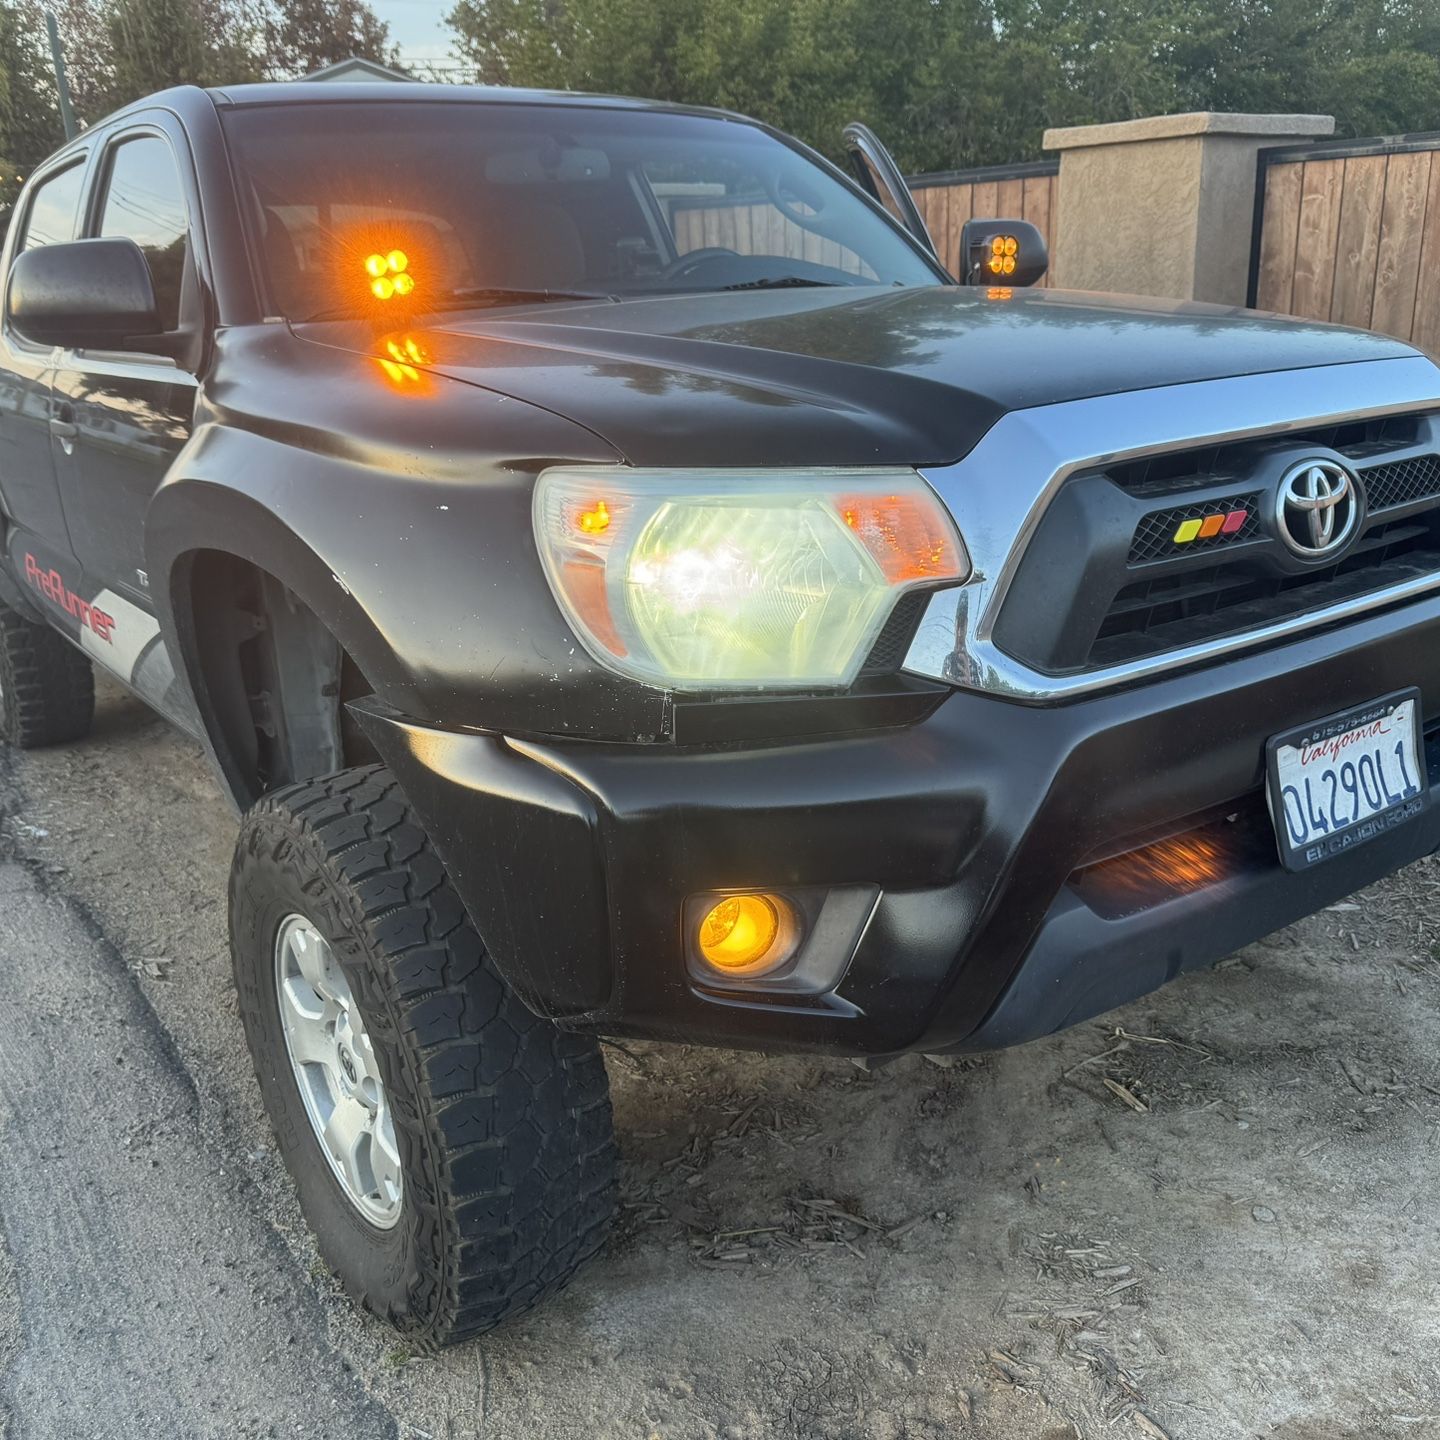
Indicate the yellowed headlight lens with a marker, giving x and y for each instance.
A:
(739, 580)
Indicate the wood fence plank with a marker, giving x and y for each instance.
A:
(1402, 226)
(1426, 330)
(1010, 199)
(1317, 238)
(1280, 226)
(925, 203)
(985, 196)
(959, 210)
(741, 216)
(1360, 210)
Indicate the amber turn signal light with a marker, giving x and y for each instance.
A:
(747, 935)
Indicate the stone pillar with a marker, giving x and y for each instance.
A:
(1164, 205)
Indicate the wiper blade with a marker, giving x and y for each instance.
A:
(786, 282)
(504, 295)
(459, 299)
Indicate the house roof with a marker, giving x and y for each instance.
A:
(355, 68)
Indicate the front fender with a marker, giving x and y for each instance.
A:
(401, 518)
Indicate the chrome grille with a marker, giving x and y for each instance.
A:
(1159, 585)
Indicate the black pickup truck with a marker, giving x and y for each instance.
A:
(631, 589)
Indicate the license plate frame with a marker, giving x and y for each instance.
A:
(1319, 844)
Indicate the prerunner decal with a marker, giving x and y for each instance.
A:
(114, 631)
(51, 584)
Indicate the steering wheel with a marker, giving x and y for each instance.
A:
(775, 189)
(693, 260)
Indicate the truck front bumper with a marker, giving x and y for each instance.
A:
(1034, 865)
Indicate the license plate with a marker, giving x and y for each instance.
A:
(1338, 782)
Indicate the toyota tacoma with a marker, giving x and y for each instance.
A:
(629, 588)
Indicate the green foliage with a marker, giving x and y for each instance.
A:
(29, 121)
(304, 35)
(154, 44)
(948, 83)
(117, 51)
(951, 83)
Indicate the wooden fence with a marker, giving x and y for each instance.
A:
(754, 229)
(1349, 231)
(1011, 192)
(945, 202)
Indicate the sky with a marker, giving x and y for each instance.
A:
(417, 26)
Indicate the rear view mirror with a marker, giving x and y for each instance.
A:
(1001, 252)
(85, 293)
(549, 161)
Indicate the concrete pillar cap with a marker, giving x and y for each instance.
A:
(1194, 122)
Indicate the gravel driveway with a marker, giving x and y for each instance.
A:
(1209, 1215)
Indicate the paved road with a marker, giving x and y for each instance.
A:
(149, 1301)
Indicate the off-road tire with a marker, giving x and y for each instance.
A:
(47, 687)
(502, 1119)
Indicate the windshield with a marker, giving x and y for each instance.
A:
(357, 208)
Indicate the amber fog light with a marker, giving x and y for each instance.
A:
(747, 935)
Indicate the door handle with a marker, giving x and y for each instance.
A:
(62, 424)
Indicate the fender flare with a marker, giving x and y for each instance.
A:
(201, 508)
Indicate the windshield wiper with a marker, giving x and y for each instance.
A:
(480, 295)
(504, 295)
(786, 282)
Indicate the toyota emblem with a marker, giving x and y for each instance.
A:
(1317, 508)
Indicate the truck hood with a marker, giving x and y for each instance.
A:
(836, 377)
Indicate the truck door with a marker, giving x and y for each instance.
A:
(880, 177)
(122, 417)
(28, 495)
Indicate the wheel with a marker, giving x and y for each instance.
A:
(453, 1153)
(47, 688)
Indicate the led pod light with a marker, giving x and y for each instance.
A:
(739, 580)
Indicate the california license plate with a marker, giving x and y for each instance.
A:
(1339, 782)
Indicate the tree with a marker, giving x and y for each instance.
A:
(950, 83)
(85, 40)
(29, 119)
(304, 35)
(158, 43)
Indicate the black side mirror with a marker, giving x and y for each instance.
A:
(1001, 252)
(85, 293)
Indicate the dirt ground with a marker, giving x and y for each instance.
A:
(1210, 1215)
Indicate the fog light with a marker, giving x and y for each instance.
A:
(747, 934)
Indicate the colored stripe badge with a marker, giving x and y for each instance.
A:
(1207, 526)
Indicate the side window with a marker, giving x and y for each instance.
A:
(53, 207)
(144, 202)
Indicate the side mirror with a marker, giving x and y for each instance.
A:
(1001, 252)
(85, 293)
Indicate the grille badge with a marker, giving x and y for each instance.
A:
(1317, 508)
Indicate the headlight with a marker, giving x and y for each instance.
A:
(723, 579)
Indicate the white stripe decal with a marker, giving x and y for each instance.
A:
(133, 632)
